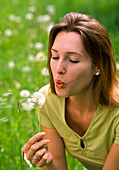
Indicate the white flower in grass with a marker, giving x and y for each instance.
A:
(51, 9)
(26, 69)
(38, 45)
(40, 57)
(31, 58)
(38, 99)
(11, 64)
(8, 32)
(45, 72)
(32, 9)
(117, 65)
(29, 16)
(24, 93)
(44, 18)
(14, 18)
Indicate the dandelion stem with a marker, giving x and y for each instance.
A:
(39, 117)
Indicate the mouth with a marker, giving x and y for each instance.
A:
(59, 83)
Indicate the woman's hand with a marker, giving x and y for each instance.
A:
(36, 150)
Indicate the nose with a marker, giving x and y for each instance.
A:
(61, 67)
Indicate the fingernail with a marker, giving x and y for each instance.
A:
(42, 133)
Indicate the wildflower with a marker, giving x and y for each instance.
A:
(8, 32)
(7, 94)
(38, 45)
(40, 57)
(38, 99)
(44, 18)
(45, 71)
(29, 16)
(11, 64)
(51, 9)
(32, 9)
(26, 69)
(24, 93)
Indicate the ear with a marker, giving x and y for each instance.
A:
(97, 71)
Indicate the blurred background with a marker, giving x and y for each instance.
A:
(24, 29)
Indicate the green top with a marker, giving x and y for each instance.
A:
(91, 149)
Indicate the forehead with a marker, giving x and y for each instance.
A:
(69, 42)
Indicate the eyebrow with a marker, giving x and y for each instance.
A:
(67, 52)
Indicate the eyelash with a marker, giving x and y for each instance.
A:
(55, 58)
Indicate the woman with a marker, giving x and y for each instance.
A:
(81, 111)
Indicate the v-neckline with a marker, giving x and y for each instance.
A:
(90, 125)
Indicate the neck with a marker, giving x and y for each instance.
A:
(85, 104)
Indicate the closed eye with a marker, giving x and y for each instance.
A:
(55, 58)
(74, 61)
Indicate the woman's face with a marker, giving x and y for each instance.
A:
(71, 66)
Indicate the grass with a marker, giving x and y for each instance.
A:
(17, 127)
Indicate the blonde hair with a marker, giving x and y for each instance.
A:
(98, 45)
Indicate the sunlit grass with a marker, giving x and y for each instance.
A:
(23, 35)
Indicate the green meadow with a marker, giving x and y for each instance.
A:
(24, 30)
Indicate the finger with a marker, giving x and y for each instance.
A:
(39, 155)
(49, 158)
(32, 140)
(35, 147)
(42, 161)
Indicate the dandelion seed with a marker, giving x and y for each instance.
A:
(11, 64)
(8, 32)
(7, 94)
(26, 69)
(32, 9)
(51, 9)
(29, 16)
(44, 18)
(25, 93)
(38, 45)
(40, 57)
(3, 119)
(45, 72)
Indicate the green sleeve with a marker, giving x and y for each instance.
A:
(117, 131)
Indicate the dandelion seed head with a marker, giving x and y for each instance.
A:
(51, 9)
(8, 32)
(44, 18)
(40, 57)
(49, 27)
(17, 84)
(11, 64)
(26, 69)
(38, 45)
(25, 93)
(31, 58)
(38, 99)
(32, 9)
(45, 72)
(29, 16)
(117, 66)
